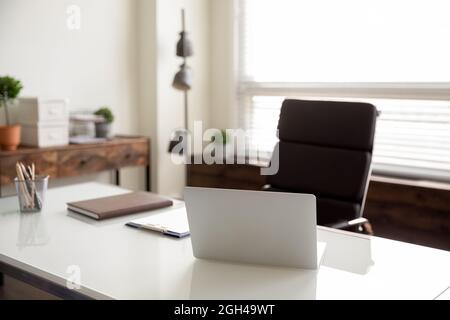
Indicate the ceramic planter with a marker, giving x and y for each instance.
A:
(10, 137)
(103, 130)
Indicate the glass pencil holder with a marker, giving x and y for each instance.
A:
(31, 194)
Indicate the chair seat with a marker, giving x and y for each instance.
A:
(330, 211)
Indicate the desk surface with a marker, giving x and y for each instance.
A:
(123, 263)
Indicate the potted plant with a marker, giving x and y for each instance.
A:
(9, 134)
(221, 139)
(103, 128)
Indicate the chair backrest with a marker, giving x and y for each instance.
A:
(325, 149)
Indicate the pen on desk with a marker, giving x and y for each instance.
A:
(154, 227)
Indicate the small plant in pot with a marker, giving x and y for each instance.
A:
(103, 129)
(221, 138)
(9, 134)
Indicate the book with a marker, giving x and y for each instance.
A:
(172, 223)
(121, 205)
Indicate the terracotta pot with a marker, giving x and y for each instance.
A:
(9, 137)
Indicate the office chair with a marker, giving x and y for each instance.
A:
(325, 149)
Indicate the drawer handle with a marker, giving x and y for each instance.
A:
(128, 156)
(83, 163)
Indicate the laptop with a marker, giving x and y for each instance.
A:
(269, 228)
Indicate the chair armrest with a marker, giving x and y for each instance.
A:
(359, 224)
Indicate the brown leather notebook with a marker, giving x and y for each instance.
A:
(121, 205)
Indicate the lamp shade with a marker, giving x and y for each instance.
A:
(184, 46)
(183, 79)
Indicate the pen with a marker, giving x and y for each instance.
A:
(154, 227)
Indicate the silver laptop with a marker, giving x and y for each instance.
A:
(269, 228)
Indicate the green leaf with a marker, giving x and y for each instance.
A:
(106, 113)
(9, 88)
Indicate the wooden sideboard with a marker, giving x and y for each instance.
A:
(77, 160)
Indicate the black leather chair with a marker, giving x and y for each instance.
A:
(325, 149)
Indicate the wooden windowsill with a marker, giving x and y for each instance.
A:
(412, 183)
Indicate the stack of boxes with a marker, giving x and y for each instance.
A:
(45, 123)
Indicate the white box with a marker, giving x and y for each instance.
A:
(45, 134)
(36, 110)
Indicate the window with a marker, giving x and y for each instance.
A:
(392, 53)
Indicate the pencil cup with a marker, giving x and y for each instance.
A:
(31, 194)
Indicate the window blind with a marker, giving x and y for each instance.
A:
(412, 136)
(353, 50)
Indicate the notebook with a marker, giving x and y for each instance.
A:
(115, 206)
(172, 223)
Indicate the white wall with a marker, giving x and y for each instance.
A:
(147, 60)
(123, 56)
(96, 65)
(224, 113)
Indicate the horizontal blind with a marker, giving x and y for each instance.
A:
(412, 137)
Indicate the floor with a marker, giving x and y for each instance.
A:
(13, 289)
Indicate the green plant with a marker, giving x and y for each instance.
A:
(9, 90)
(222, 136)
(106, 113)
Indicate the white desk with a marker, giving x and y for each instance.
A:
(123, 263)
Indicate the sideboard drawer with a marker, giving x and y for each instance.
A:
(129, 155)
(74, 163)
(46, 164)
